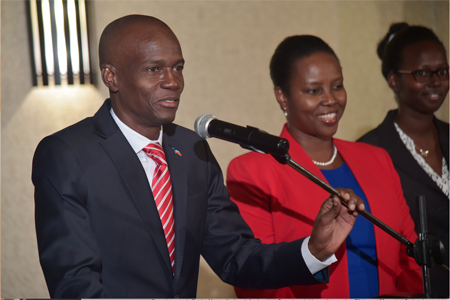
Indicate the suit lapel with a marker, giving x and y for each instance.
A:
(178, 170)
(130, 169)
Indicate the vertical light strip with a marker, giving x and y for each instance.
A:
(61, 38)
(75, 56)
(54, 26)
(48, 38)
(84, 37)
(36, 43)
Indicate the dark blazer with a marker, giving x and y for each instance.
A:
(99, 232)
(415, 181)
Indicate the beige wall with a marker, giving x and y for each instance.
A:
(227, 46)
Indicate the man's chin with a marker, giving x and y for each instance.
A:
(167, 119)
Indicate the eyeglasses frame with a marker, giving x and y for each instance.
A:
(431, 74)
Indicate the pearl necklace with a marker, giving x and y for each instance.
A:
(328, 162)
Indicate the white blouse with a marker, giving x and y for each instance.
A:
(441, 181)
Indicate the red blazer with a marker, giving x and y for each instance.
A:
(280, 205)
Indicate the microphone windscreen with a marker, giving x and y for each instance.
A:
(201, 125)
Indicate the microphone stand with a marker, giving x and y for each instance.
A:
(422, 237)
(286, 159)
(427, 251)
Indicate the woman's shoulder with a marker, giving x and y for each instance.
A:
(252, 163)
(252, 158)
(444, 126)
(371, 137)
(378, 133)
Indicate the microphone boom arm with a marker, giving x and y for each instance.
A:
(286, 159)
(412, 249)
(252, 138)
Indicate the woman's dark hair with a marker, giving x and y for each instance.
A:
(289, 51)
(400, 36)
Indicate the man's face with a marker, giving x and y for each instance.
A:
(148, 76)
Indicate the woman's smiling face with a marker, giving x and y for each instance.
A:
(316, 98)
(424, 97)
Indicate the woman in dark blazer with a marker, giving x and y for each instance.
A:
(414, 63)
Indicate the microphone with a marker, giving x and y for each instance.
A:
(248, 137)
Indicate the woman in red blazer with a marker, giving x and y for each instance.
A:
(280, 204)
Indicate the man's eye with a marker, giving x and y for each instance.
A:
(179, 68)
(153, 69)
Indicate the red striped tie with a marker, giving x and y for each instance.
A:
(162, 192)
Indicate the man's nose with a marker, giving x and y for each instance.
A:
(170, 80)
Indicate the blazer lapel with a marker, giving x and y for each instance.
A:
(130, 169)
(366, 178)
(178, 170)
(402, 158)
(443, 134)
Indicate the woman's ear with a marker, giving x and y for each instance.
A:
(392, 80)
(281, 98)
(109, 77)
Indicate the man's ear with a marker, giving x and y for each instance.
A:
(281, 98)
(109, 77)
(392, 80)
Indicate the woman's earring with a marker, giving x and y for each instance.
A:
(285, 113)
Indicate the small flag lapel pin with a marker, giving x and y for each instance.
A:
(176, 151)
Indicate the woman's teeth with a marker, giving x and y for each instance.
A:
(328, 117)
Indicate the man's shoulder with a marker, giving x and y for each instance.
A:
(175, 131)
(82, 125)
(82, 130)
(76, 136)
(77, 139)
(100, 125)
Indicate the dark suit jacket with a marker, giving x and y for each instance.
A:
(99, 232)
(415, 181)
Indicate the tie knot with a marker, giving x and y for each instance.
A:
(155, 152)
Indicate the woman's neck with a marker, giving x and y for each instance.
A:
(421, 129)
(319, 149)
(414, 124)
(311, 144)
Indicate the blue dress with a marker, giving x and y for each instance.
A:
(361, 250)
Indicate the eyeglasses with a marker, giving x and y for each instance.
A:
(424, 76)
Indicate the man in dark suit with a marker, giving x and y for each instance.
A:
(99, 230)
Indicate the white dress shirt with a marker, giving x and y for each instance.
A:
(139, 142)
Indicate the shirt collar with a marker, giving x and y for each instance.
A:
(136, 140)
